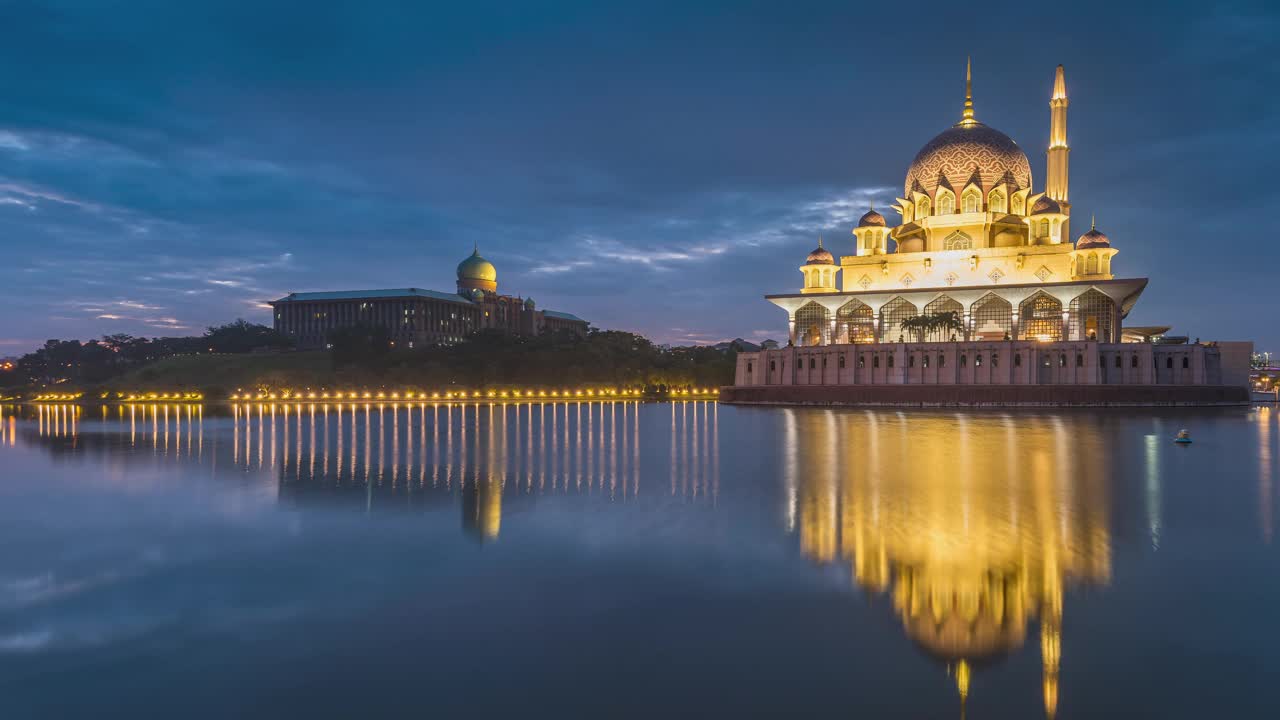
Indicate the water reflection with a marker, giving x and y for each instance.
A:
(415, 455)
(973, 531)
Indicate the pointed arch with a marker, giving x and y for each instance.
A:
(1092, 266)
(946, 201)
(855, 322)
(1040, 318)
(971, 201)
(943, 304)
(1091, 316)
(892, 316)
(811, 323)
(992, 318)
(995, 202)
(922, 208)
(957, 241)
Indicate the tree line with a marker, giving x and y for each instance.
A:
(98, 361)
(365, 356)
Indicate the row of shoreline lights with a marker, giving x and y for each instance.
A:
(124, 397)
(462, 395)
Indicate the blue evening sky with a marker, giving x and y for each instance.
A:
(653, 167)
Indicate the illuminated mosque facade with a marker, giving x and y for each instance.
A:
(415, 317)
(980, 283)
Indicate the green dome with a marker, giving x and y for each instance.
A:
(477, 268)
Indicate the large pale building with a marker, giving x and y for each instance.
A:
(981, 267)
(418, 317)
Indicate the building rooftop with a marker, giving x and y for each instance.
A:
(562, 315)
(359, 294)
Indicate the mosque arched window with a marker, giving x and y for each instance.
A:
(946, 203)
(892, 316)
(1041, 316)
(856, 322)
(1091, 315)
(1018, 205)
(992, 318)
(941, 305)
(1092, 264)
(922, 208)
(971, 202)
(811, 320)
(957, 241)
(995, 202)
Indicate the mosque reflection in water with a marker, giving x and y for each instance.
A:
(973, 530)
(973, 526)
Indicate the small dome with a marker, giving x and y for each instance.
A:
(477, 268)
(820, 256)
(871, 219)
(528, 303)
(1093, 239)
(1044, 205)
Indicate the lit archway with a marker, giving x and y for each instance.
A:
(811, 323)
(1040, 318)
(855, 323)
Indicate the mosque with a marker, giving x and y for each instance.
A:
(980, 283)
(415, 317)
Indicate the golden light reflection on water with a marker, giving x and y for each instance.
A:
(973, 529)
(483, 452)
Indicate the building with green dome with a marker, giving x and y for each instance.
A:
(416, 317)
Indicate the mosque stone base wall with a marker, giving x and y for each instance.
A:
(999, 373)
(990, 395)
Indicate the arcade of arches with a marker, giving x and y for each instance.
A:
(1040, 316)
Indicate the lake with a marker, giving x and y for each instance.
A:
(636, 560)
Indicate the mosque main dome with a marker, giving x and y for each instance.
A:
(476, 267)
(963, 150)
(477, 275)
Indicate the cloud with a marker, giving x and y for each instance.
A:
(12, 141)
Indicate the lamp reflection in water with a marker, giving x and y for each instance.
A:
(482, 455)
(973, 525)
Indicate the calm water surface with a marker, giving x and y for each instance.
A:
(608, 560)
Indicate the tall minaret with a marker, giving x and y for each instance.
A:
(1056, 172)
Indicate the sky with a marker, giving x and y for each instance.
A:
(652, 167)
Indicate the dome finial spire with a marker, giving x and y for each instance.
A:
(819, 241)
(1093, 223)
(967, 116)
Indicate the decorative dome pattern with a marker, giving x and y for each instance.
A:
(1044, 205)
(477, 268)
(871, 219)
(1095, 238)
(820, 256)
(955, 152)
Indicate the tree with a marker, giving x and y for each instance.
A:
(361, 344)
(242, 336)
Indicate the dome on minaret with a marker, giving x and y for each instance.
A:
(965, 151)
(1095, 238)
(871, 219)
(820, 256)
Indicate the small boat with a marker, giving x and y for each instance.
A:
(1183, 437)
